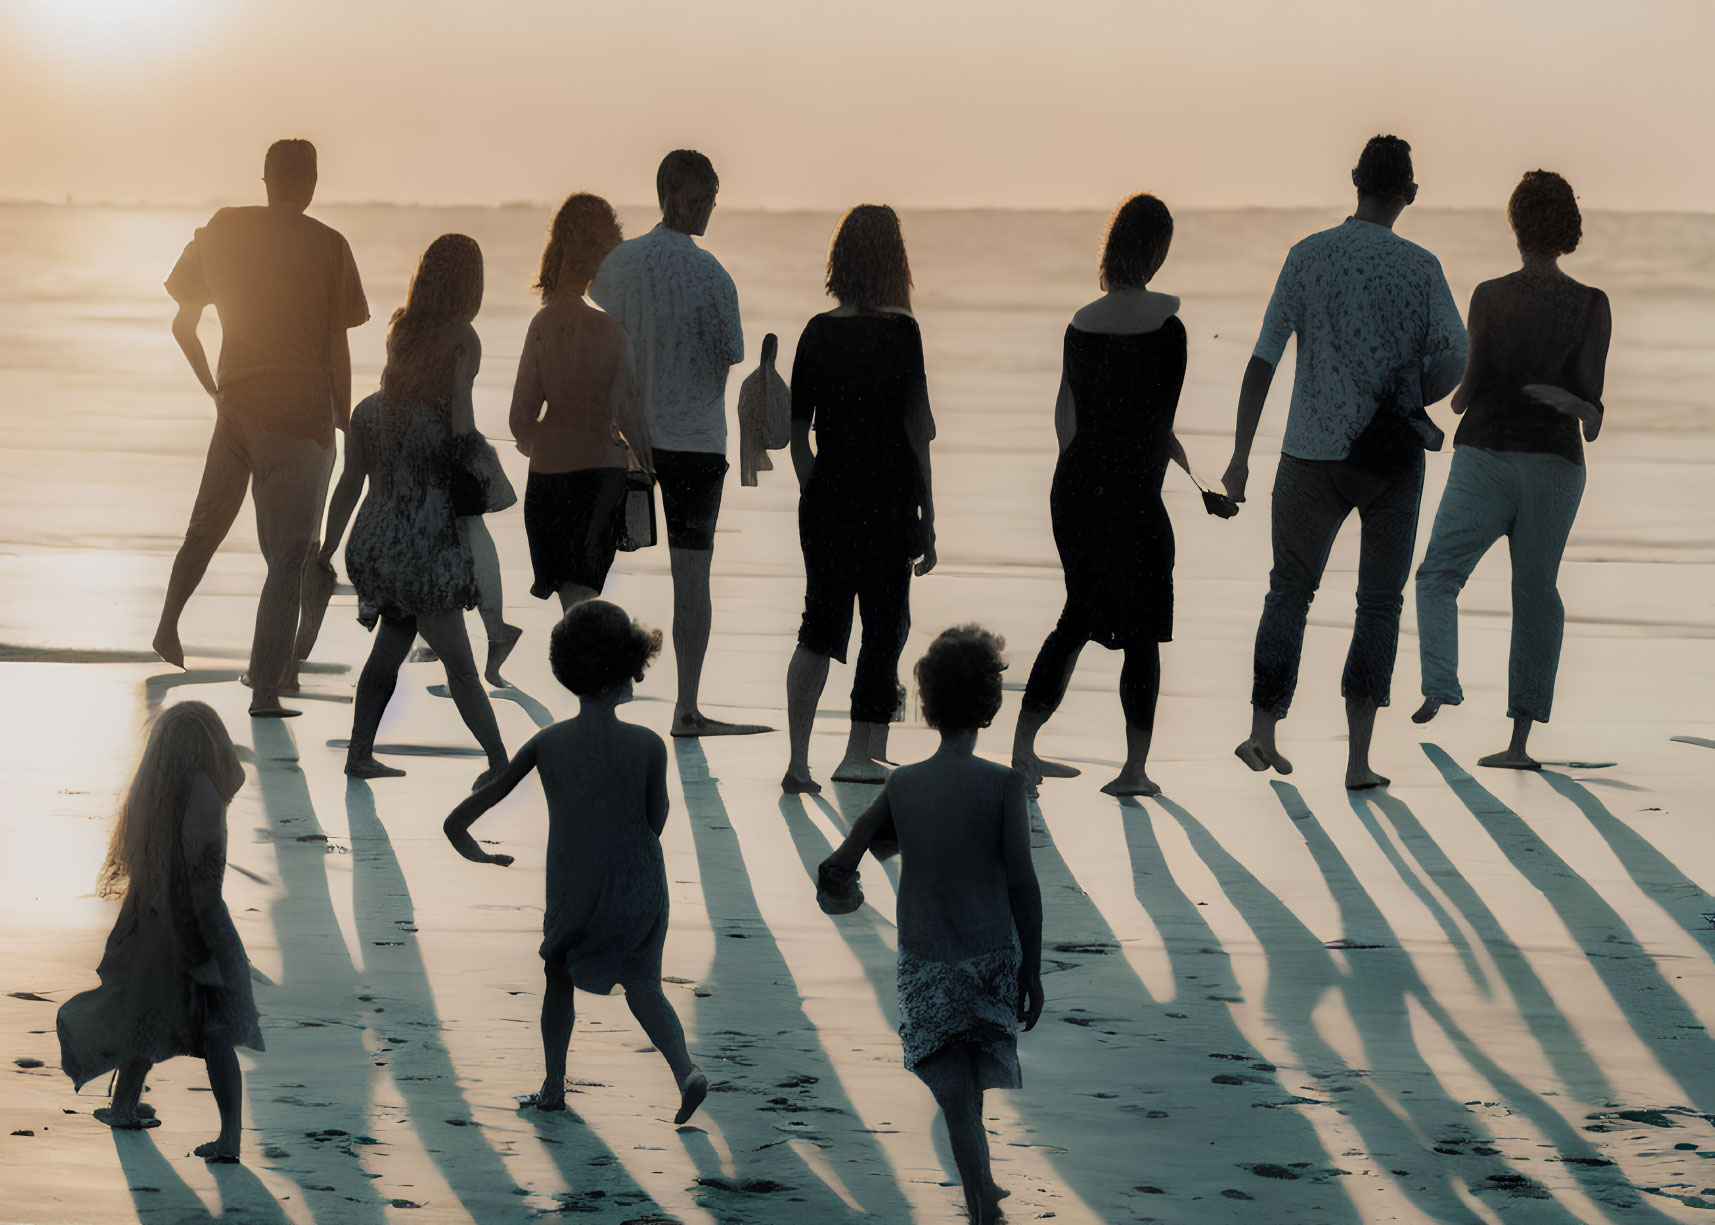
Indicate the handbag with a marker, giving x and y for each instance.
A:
(476, 483)
(635, 528)
(1399, 431)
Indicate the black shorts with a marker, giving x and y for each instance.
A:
(571, 520)
(690, 483)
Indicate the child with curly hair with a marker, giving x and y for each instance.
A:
(174, 978)
(606, 786)
(970, 911)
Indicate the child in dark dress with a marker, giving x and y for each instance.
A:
(970, 911)
(606, 785)
(174, 978)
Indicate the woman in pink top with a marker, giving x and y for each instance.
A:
(576, 360)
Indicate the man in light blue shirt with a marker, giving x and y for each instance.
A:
(680, 310)
(1378, 335)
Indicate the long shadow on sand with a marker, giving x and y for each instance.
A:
(1142, 1162)
(1379, 986)
(1657, 1013)
(409, 1033)
(311, 1018)
(1560, 1041)
(785, 1061)
(1683, 899)
(161, 1195)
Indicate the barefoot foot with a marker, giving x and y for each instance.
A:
(498, 650)
(1259, 757)
(167, 646)
(1430, 708)
(219, 1151)
(124, 1120)
(694, 725)
(799, 784)
(860, 770)
(273, 710)
(1510, 759)
(1131, 783)
(368, 767)
(1035, 769)
(544, 1099)
(692, 1090)
(1365, 780)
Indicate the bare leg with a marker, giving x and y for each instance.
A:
(1515, 757)
(573, 594)
(445, 634)
(557, 1017)
(806, 677)
(1140, 690)
(126, 1112)
(952, 1079)
(1259, 752)
(375, 685)
(857, 766)
(1360, 725)
(227, 1081)
(225, 477)
(649, 1005)
(692, 617)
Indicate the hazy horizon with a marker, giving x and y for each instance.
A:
(1013, 104)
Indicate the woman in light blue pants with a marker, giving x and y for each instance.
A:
(1533, 383)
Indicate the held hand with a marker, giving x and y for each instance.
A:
(926, 562)
(1029, 998)
(1219, 504)
(1233, 479)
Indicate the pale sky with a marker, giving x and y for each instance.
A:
(811, 104)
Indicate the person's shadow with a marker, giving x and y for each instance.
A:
(1379, 988)
(423, 1072)
(774, 1088)
(1657, 1013)
(159, 1194)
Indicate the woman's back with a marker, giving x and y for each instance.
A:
(572, 358)
(1125, 392)
(1531, 328)
(858, 378)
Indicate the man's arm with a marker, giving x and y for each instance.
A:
(1253, 393)
(1448, 345)
(340, 351)
(185, 332)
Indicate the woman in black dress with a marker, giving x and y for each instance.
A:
(865, 510)
(1119, 386)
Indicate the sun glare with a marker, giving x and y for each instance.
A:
(113, 28)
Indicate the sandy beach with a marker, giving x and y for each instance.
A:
(1477, 997)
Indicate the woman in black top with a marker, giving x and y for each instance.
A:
(1119, 388)
(865, 511)
(1533, 382)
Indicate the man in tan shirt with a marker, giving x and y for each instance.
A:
(286, 289)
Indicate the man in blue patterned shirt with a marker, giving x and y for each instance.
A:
(1376, 324)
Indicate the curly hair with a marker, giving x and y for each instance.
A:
(1135, 242)
(185, 740)
(1384, 167)
(597, 647)
(424, 334)
(867, 266)
(584, 231)
(685, 183)
(958, 678)
(1544, 214)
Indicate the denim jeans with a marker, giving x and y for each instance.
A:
(1312, 498)
(1530, 498)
